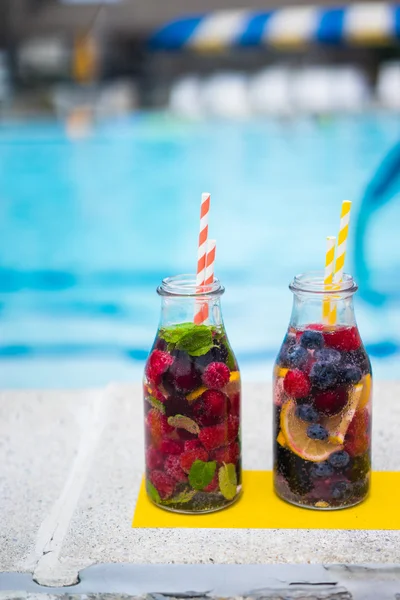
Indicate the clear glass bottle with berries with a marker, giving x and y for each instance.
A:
(322, 401)
(192, 394)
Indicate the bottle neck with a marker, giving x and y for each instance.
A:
(311, 308)
(175, 310)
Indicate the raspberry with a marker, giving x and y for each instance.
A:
(216, 375)
(163, 483)
(235, 404)
(227, 454)
(171, 447)
(343, 338)
(154, 459)
(232, 428)
(157, 364)
(158, 426)
(357, 440)
(189, 456)
(330, 402)
(192, 444)
(211, 407)
(215, 436)
(172, 467)
(296, 384)
(213, 486)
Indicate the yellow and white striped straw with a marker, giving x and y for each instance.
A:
(328, 274)
(341, 250)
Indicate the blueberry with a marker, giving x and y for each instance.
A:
(322, 470)
(307, 413)
(324, 375)
(341, 490)
(317, 432)
(339, 460)
(329, 355)
(358, 358)
(351, 374)
(296, 356)
(312, 340)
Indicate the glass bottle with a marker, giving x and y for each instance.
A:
(192, 394)
(322, 400)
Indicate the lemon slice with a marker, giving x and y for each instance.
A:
(339, 429)
(366, 391)
(297, 440)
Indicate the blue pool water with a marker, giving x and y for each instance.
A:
(89, 227)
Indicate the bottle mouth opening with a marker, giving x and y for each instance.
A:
(313, 282)
(185, 285)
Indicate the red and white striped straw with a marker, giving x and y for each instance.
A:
(203, 237)
(202, 314)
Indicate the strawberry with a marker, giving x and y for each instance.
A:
(235, 404)
(189, 456)
(158, 427)
(214, 436)
(192, 444)
(233, 424)
(211, 407)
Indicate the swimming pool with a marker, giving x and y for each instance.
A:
(89, 227)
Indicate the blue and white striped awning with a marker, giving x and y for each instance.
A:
(362, 24)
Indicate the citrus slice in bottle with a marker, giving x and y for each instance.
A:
(366, 391)
(297, 440)
(338, 428)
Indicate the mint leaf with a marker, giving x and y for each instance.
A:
(231, 362)
(228, 481)
(196, 342)
(181, 498)
(152, 492)
(156, 404)
(172, 335)
(183, 422)
(201, 474)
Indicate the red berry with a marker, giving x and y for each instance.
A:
(189, 456)
(171, 447)
(316, 326)
(163, 483)
(343, 338)
(157, 364)
(216, 375)
(357, 438)
(214, 485)
(154, 459)
(192, 444)
(211, 407)
(172, 467)
(235, 404)
(214, 437)
(296, 384)
(331, 402)
(227, 454)
(158, 426)
(233, 424)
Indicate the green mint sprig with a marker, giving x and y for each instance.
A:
(201, 474)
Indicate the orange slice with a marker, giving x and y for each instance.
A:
(366, 391)
(297, 440)
(196, 394)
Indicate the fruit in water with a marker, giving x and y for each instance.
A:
(177, 404)
(158, 426)
(343, 338)
(296, 356)
(351, 374)
(235, 405)
(214, 436)
(227, 454)
(295, 470)
(323, 375)
(366, 391)
(341, 490)
(233, 424)
(157, 364)
(192, 444)
(306, 412)
(321, 470)
(172, 467)
(328, 355)
(212, 407)
(297, 439)
(163, 483)
(296, 384)
(216, 375)
(214, 485)
(330, 402)
(182, 374)
(317, 432)
(171, 447)
(189, 456)
(357, 438)
(312, 340)
(154, 458)
(339, 460)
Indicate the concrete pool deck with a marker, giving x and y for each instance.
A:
(71, 467)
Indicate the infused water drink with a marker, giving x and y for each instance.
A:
(322, 403)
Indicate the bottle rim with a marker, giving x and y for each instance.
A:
(313, 282)
(185, 286)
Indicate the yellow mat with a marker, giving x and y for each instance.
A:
(260, 508)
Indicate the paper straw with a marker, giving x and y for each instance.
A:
(202, 314)
(328, 274)
(341, 250)
(203, 236)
